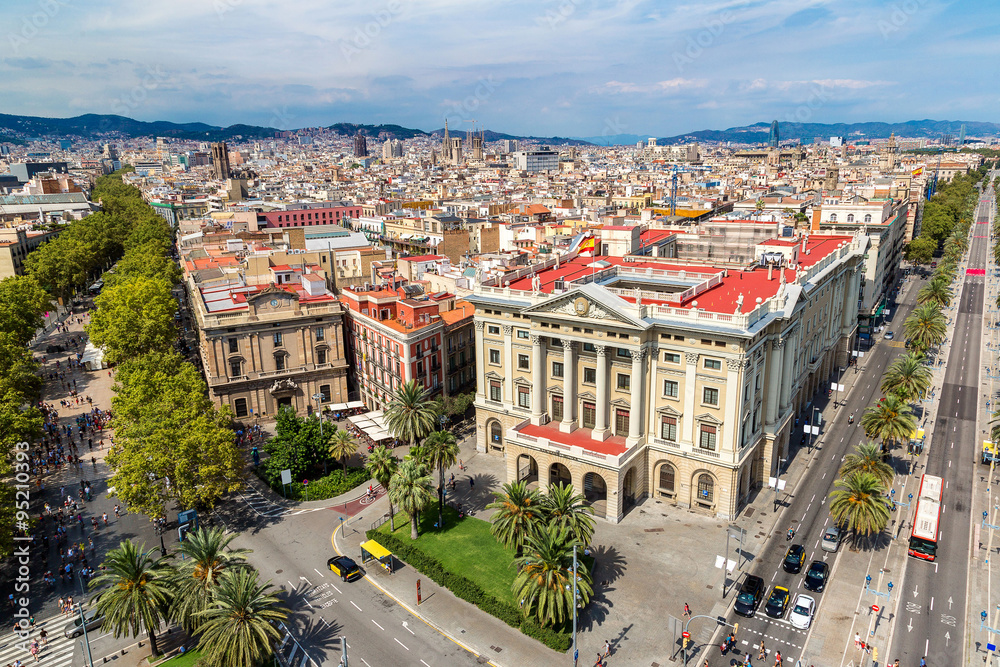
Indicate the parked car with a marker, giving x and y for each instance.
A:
(802, 612)
(831, 539)
(344, 567)
(94, 621)
(777, 602)
(794, 558)
(750, 596)
(816, 575)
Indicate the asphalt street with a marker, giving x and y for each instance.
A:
(807, 513)
(932, 621)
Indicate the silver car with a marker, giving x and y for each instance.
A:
(94, 621)
(831, 539)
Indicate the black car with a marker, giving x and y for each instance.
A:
(777, 603)
(750, 595)
(794, 558)
(816, 576)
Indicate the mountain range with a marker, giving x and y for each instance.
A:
(806, 132)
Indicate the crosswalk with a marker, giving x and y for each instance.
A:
(267, 508)
(56, 653)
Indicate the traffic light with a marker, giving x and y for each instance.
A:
(736, 628)
(687, 642)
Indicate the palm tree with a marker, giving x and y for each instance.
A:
(441, 451)
(238, 628)
(907, 377)
(206, 558)
(519, 514)
(860, 504)
(411, 489)
(937, 291)
(137, 594)
(382, 466)
(866, 458)
(342, 446)
(926, 327)
(544, 581)
(565, 508)
(410, 415)
(891, 420)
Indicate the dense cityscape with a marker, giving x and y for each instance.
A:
(365, 394)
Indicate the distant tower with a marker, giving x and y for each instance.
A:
(772, 137)
(220, 161)
(961, 136)
(446, 144)
(456, 150)
(477, 147)
(360, 145)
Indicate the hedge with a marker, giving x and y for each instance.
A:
(470, 591)
(331, 486)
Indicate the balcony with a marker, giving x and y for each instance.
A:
(215, 381)
(612, 452)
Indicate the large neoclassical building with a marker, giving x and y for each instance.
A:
(633, 377)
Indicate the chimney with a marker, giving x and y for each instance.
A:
(770, 271)
(805, 238)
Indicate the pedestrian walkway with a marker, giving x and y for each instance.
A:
(56, 652)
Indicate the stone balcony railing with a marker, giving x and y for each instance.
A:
(573, 451)
(215, 381)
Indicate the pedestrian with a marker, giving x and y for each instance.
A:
(104, 517)
(62, 603)
(472, 483)
(896, 663)
(923, 661)
(687, 609)
(777, 659)
(44, 636)
(857, 639)
(763, 652)
(607, 648)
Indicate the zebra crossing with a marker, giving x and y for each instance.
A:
(268, 508)
(58, 650)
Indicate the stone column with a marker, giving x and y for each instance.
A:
(480, 352)
(638, 382)
(734, 388)
(538, 407)
(601, 430)
(687, 420)
(786, 370)
(508, 365)
(652, 430)
(569, 424)
(774, 375)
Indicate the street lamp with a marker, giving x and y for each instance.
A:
(319, 414)
(86, 640)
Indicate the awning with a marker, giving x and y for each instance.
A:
(375, 550)
(355, 404)
(357, 419)
(374, 415)
(379, 434)
(337, 406)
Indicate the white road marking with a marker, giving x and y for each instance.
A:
(400, 643)
(408, 628)
(337, 589)
(425, 663)
(373, 621)
(365, 661)
(356, 606)
(319, 573)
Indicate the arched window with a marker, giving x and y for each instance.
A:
(706, 489)
(665, 481)
(850, 217)
(868, 217)
(496, 435)
(833, 217)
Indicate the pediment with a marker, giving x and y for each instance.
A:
(668, 410)
(588, 395)
(588, 302)
(493, 375)
(708, 418)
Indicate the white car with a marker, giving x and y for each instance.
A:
(802, 612)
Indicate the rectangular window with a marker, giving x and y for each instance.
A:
(522, 362)
(235, 368)
(624, 381)
(671, 389)
(668, 429)
(495, 390)
(321, 357)
(557, 369)
(325, 390)
(757, 382)
(710, 396)
(320, 333)
(590, 376)
(523, 334)
(622, 352)
(672, 357)
(557, 408)
(493, 330)
(495, 357)
(524, 397)
(277, 340)
(240, 407)
(707, 437)
(589, 347)
(234, 345)
(589, 415)
(621, 422)
(279, 362)
(713, 364)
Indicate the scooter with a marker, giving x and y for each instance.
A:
(850, 420)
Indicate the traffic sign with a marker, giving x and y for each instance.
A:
(875, 608)
(686, 634)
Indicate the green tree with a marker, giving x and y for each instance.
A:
(867, 458)
(564, 507)
(342, 446)
(382, 466)
(921, 250)
(134, 592)
(859, 504)
(23, 303)
(205, 557)
(937, 291)
(925, 327)
(297, 446)
(238, 629)
(441, 451)
(891, 421)
(519, 515)
(544, 582)
(410, 415)
(907, 377)
(411, 490)
(133, 318)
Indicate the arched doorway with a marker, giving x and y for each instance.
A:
(665, 481)
(628, 489)
(704, 491)
(559, 474)
(595, 492)
(495, 432)
(527, 470)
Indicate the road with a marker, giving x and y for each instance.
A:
(807, 511)
(932, 621)
(292, 550)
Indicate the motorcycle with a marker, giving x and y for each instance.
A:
(850, 420)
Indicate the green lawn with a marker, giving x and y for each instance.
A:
(185, 660)
(464, 547)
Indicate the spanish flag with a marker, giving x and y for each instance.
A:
(586, 246)
(917, 171)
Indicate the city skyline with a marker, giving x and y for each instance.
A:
(573, 68)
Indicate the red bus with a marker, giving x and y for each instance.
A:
(923, 538)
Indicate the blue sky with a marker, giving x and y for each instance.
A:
(542, 67)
